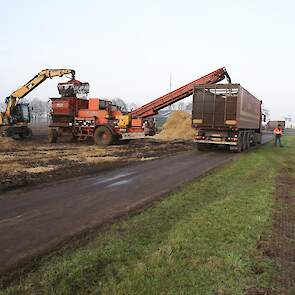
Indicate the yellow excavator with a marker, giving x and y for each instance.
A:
(16, 117)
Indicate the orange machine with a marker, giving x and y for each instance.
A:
(106, 122)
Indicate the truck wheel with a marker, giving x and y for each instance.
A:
(254, 140)
(244, 142)
(103, 136)
(240, 145)
(245, 138)
(247, 141)
(52, 135)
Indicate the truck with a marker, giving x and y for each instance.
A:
(105, 122)
(271, 125)
(226, 115)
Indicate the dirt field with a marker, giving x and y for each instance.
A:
(27, 162)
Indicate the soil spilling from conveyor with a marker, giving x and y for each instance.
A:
(177, 126)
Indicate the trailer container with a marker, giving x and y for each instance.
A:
(271, 125)
(226, 115)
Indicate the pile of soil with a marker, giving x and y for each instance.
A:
(177, 126)
(7, 144)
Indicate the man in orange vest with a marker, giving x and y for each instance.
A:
(278, 132)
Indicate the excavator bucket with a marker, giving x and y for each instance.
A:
(73, 88)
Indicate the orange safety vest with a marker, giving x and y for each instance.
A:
(278, 131)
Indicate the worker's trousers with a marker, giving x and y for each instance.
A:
(278, 140)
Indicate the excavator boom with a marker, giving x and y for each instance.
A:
(152, 108)
(38, 79)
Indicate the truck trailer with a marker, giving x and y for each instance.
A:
(271, 125)
(226, 115)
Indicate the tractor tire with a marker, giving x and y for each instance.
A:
(103, 136)
(52, 135)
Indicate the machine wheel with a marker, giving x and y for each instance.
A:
(103, 136)
(240, 145)
(52, 135)
(10, 132)
(29, 133)
(26, 133)
(247, 141)
(244, 141)
(254, 140)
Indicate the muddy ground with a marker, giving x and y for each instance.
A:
(28, 162)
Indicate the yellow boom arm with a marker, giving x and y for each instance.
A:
(21, 92)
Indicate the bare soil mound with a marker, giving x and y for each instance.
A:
(177, 126)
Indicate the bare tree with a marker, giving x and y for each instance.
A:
(132, 106)
(39, 109)
(120, 103)
(2, 106)
(189, 107)
(181, 106)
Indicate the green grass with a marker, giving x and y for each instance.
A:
(202, 239)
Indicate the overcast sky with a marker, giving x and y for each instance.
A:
(128, 48)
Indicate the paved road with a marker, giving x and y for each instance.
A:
(33, 222)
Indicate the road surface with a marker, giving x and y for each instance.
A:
(35, 221)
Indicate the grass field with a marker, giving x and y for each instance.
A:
(202, 239)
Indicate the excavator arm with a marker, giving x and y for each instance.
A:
(152, 108)
(21, 92)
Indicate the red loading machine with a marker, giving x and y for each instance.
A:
(107, 123)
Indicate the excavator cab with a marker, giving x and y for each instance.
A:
(20, 113)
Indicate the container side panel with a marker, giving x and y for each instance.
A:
(219, 110)
(249, 113)
(231, 107)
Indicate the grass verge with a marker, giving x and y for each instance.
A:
(201, 239)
